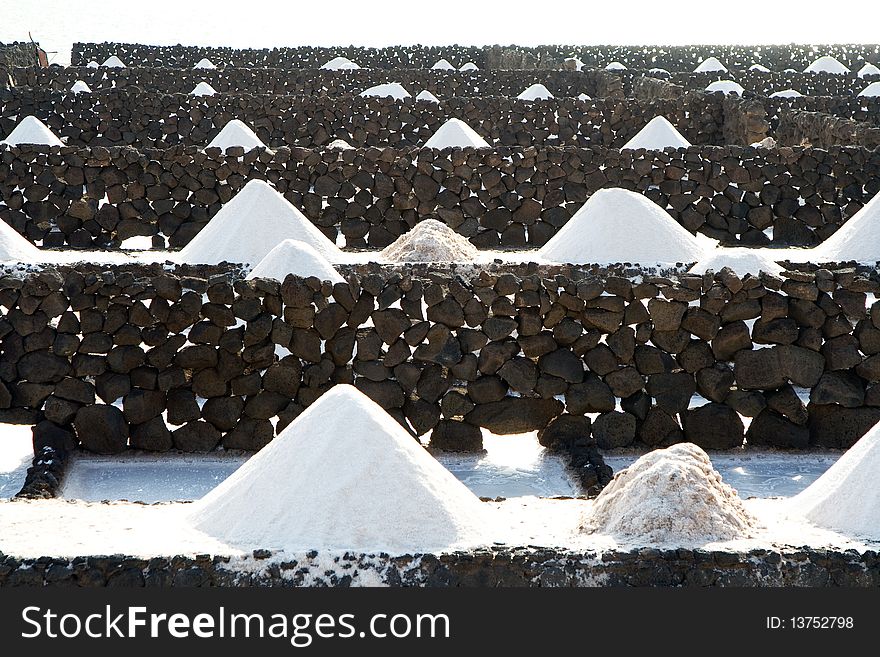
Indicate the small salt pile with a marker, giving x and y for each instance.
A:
(236, 133)
(670, 496)
(92, 64)
(871, 91)
(427, 96)
(726, 87)
(340, 144)
(858, 239)
(469, 66)
(430, 241)
(113, 62)
(205, 63)
(711, 65)
(615, 66)
(535, 92)
(203, 89)
(617, 225)
(80, 87)
(658, 134)
(14, 247)
(584, 97)
(759, 68)
(868, 69)
(251, 225)
(393, 89)
(295, 257)
(340, 64)
(455, 133)
(827, 64)
(343, 475)
(766, 142)
(786, 93)
(442, 65)
(30, 130)
(740, 259)
(659, 72)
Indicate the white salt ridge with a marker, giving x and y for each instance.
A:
(205, 63)
(535, 92)
(741, 260)
(430, 241)
(760, 68)
(203, 89)
(584, 97)
(617, 225)
(786, 93)
(342, 475)
(871, 90)
(726, 87)
(340, 144)
(455, 133)
(80, 87)
(295, 257)
(442, 65)
(615, 66)
(827, 64)
(236, 133)
(427, 96)
(30, 130)
(858, 239)
(658, 134)
(710, 65)
(254, 222)
(868, 69)
(469, 66)
(340, 64)
(113, 62)
(846, 497)
(671, 496)
(393, 89)
(14, 247)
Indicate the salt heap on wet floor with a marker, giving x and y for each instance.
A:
(393, 89)
(340, 64)
(616, 225)
(113, 62)
(342, 475)
(14, 247)
(204, 89)
(535, 92)
(858, 239)
(205, 63)
(726, 87)
(658, 134)
(846, 498)
(30, 130)
(430, 241)
(295, 257)
(670, 496)
(251, 225)
(871, 90)
(868, 69)
(710, 65)
(827, 64)
(80, 87)
(236, 133)
(740, 259)
(455, 133)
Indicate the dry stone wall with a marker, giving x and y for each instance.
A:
(821, 130)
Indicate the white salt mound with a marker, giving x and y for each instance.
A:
(113, 62)
(710, 65)
(92, 64)
(203, 89)
(617, 225)
(442, 65)
(786, 93)
(535, 92)
(846, 498)
(868, 69)
(658, 134)
(759, 68)
(340, 144)
(660, 72)
(295, 257)
(726, 87)
(236, 133)
(427, 96)
(340, 64)
(254, 222)
(30, 130)
(455, 133)
(871, 90)
(741, 260)
(430, 241)
(205, 63)
(584, 97)
(615, 66)
(858, 239)
(14, 247)
(393, 89)
(343, 475)
(827, 64)
(670, 496)
(469, 66)
(766, 142)
(80, 87)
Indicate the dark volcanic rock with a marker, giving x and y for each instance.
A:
(101, 429)
(614, 429)
(773, 430)
(454, 436)
(713, 426)
(564, 431)
(515, 414)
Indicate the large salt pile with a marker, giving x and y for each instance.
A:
(871, 90)
(427, 96)
(711, 65)
(726, 87)
(343, 475)
(740, 259)
(858, 239)
(236, 133)
(455, 133)
(658, 134)
(868, 69)
(14, 247)
(442, 65)
(30, 130)
(113, 62)
(827, 64)
(205, 63)
(430, 241)
(80, 87)
(203, 89)
(340, 64)
(786, 93)
(251, 225)
(670, 496)
(847, 498)
(616, 225)
(295, 257)
(535, 92)
(393, 89)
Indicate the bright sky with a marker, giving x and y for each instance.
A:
(265, 23)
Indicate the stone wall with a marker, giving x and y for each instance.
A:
(764, 84)
(508, 197)
(821, 130)
(864, 110)
(139, 357)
